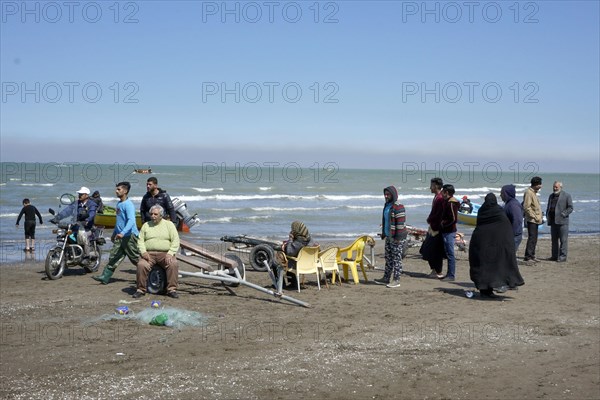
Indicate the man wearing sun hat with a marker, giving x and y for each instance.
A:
(82, 213)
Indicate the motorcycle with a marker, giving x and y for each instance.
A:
(67, 253)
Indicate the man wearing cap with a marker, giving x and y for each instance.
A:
(82, 213)
(466, 206)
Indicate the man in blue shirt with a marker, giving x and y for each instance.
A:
(124, 236)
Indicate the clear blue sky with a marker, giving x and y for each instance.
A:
(382, 83)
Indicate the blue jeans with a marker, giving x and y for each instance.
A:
(449, 239)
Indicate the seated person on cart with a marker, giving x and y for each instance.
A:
(158, 243)
(299, 237)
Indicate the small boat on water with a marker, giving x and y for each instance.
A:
(469, 219)
(143, 171)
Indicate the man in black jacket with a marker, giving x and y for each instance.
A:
(153, 196)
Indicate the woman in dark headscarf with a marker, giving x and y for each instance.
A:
(492, 258)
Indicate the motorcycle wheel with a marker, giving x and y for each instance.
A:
(54, 269)
(157, 280)
(93, 267)
(259, 254)
(239, 266)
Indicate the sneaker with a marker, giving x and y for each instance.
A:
(173, 295)
(561, 260)
(138, 294)
(394, 283)
(448, 279)
(381, 281)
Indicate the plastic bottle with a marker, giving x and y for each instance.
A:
(161, 319)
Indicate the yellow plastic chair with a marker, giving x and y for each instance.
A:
(351, 256)
(307, 263)
(328, 262)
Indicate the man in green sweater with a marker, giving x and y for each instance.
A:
(158, 243)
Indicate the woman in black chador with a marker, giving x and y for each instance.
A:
(492, 258)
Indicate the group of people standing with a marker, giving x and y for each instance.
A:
(558, 209)
(495, 241)
(156, 243)
(440, 240)
(492, 252)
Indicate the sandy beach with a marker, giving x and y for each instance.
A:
(424, 340)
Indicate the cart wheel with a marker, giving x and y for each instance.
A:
(157, 280)
(259, 254)
(239, 266)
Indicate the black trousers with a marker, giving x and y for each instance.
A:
(532, 237)
(559, 235)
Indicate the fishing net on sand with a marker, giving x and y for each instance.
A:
(179, 317)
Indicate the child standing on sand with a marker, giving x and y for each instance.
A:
(30, 212)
